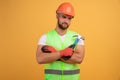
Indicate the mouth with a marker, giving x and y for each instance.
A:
(65, 24)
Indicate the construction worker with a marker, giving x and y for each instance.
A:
(61, 50)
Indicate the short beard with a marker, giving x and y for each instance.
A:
(61, 27)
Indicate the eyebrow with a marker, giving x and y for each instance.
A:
(66, 16)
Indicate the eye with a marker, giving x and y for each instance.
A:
(63, 16)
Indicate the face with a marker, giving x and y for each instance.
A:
(63, 21)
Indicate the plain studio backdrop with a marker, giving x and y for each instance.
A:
(22, 22)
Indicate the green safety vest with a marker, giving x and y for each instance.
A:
(59, 70)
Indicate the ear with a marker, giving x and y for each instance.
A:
(57, 16)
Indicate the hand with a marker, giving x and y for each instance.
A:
(67, 52)
(48, 49)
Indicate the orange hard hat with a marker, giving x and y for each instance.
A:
(66, 8)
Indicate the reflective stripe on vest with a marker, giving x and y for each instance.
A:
(59, 72)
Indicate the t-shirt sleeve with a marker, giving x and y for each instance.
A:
(42, 40)
(81, 41)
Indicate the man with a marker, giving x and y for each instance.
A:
(61, 60)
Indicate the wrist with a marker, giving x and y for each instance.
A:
(58, 52)
(61, 53)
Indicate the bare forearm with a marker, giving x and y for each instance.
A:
(48, 57)
(78, 56)
(75, 59)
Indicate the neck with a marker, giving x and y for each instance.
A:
(60, 31)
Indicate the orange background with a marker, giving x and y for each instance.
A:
(22, 22)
